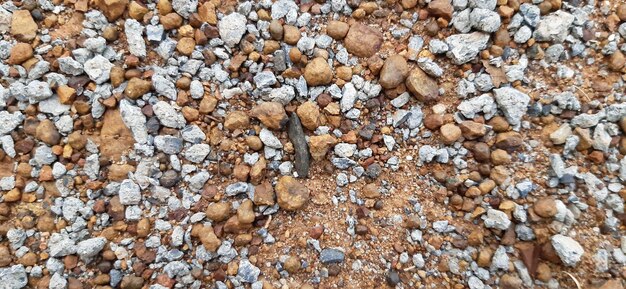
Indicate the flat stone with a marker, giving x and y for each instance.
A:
(297, 138)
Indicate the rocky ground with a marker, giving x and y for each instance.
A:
(312, 144)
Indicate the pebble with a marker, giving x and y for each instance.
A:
(231, 28)
(394, 71)
(291, 195)
(567, 249)
(331, 255)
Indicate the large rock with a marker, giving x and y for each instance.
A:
(568, 249)
(513, 103)
(554, 27)
(23, 27)
(464, 47)
(231, 28)
(363, 41)
(422, 86)
(318, 72)
(291, 194)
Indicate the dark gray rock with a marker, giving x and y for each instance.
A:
(296, 135)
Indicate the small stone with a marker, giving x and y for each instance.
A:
(112, 9)
(186, 46)
(465, 47)
(450, 133)
(319, 145)
(422, 86)
(98, 69)
(567, 249)
(545, 207)
(331, 256)
(129, 193)
(292, 264)
(298, 140)
(497, 220)
(167, 115)
(20, 53)
(23, 26)
(48, 133)
(291, 34)
(134, 36)
(394, 72)
(513, 103)
(337, 29)
(554, 27)
(362, 40)
(236, 120)
(318, 72)
(231, 28)
(291, 194)
(309, 114)
(66, 94)
(441, 8)
(271, 114)
(137, 87)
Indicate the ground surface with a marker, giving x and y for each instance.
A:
(312, 144)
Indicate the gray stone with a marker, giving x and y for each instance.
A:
(513, 103)
(135, 120)
(129, 193)
(197, 153)
(568, 249)
(154, 33)
(269, 139)
(231, 28)
(484, 4)
(134, 37)
(264, 79)
(164, 86)
(185, 7)
(61, 245)
(248, 272)
(500, 260)
(89, 248)
(281, 8)
(523, 34)
(531, 14)
(462, 21)
(497, 219)
(168, 144)
(554, 27)
(601, 138)
(167, 115)
(485, 20)
(13, 277)
(37, 91)
(430, 67)
(331, 255)
(465, 47)
(98, 69)
(9, 121)
(57, 282)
